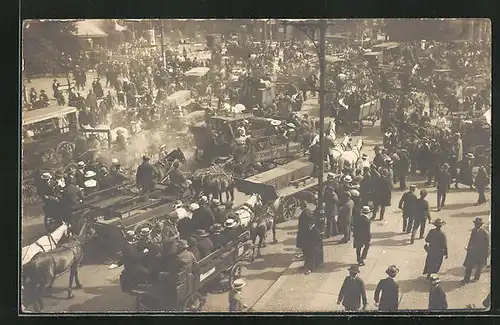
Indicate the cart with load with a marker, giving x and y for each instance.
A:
(186, 291)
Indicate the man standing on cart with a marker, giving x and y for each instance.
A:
(146, 175)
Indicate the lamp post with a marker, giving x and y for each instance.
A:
(308, 29)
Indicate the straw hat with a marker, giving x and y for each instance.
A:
(348, 179)
(366, 209)
(182, 244)
(238, 284)
(291, 125)
(275, 122)
(470, 155)
(216, 201)
(91, 183)
(203, 199)
(46, 176)
(89, 173)
(194, 206)
(230, 223)
(81, 164)
(115, 161)
(354, 193)
(330, 176)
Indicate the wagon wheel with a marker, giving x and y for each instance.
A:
(234, 273)
(30, 195)
(51, 223)
(289, 208)
(49, 156)
(65, 150)
(194, 303)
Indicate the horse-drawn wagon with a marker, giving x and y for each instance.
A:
(186, 291)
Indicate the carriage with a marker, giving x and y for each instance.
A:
(188, 292)
(48, 143)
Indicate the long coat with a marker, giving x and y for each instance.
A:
(146, 175)
(352, 292)
(389, 300)
(437, 299)
(203, 218)
(478, 248)
(303, 227)
(383, 192)
(438, 248)
(443, 181)
(362, 232)
(313, 249)
(407, 203)
(482, 179)
(345, 215)
(465, 174)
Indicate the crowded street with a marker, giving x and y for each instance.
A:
(194, 167)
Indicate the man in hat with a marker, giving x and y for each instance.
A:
(330, 147)
(465, 174)
(116, 172)
(80, 174)
(362, 235)
(217, 210)
(436, 247)
(352, 292)
(231, 231)
(345, 217)
(357, 206)
(382, 195)
(46, 188)
(146, 175)
(422, 214)
(331, 208)
(402, 168)
(481, 182)
(313, 248)
(177, 179)
(407, 204)
(33, 95)
(443, 183)
(364, 162)
(215, 235)
(204, 244)
(184, 260)
(477, 251)
(203, 217)
(235, 298)
(305, 218)
(185, 223)
(43, 97)
(71, 197)
(131, 258)
(389, 301)
(379, 157)
(437, 296)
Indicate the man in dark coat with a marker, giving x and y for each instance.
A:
(481, 182)
(356, 210)
(184, 260)
(215, 235)
(345, 217)
(407, 204)
(72, 196)
(402, 168)
(443, 182)
(477, 251)
(422, 214)
(305, 218)
(362, 235)
(379, 157)
(436, 247)
(204, 244)
(134, 272)
(437, 296)
(383, 193)
(146, 175)
(465, 173)
(313, 250)
(389, 301)
(331, 201)
(352, 291)
(203, 217)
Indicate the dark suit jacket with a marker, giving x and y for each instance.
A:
(389, 300)
(362, 231)
(407, 203)
(205, 246)
(203, 218)
(443, 181)
(352, 292)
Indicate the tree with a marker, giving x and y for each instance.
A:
(44, 42)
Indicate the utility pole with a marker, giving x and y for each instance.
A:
(163, 45)
(322, 109)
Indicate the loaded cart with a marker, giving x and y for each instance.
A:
(186, 291)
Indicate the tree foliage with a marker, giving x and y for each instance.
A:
(43, 45)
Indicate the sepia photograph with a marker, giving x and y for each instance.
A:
(255, 165)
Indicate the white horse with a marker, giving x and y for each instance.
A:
(350, 156)
(337, 151)
(44, 244)
(246, 212)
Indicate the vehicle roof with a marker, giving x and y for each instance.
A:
(233, 118)
(197, 72)
(46, 113)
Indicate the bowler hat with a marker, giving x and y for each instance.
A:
(201, 233)
(354, 269)
(392, 270)
(238, 283)
(478, 220)
(438, 222)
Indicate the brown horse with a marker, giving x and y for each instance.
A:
(263, 221)
(213, 181)
(41, 271)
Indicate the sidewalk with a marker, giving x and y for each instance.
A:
(296, 292)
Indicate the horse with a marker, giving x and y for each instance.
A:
(337, 151)
(213, 180)
(350, 156)
(261, 223)
(41, 271)
(164, 166)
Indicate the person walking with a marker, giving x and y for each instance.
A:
(345, 217)
(236, 303)
(383, 194)
(407, 204)
(389, 300)
(352, 292)
(422, 214)
(305, 219)
(443, 183)
(402, 168)
(477, 251)
(481, 182)
(313, 250)
(331, 201)
(362, 235)
(436, 248)
(437, 296)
